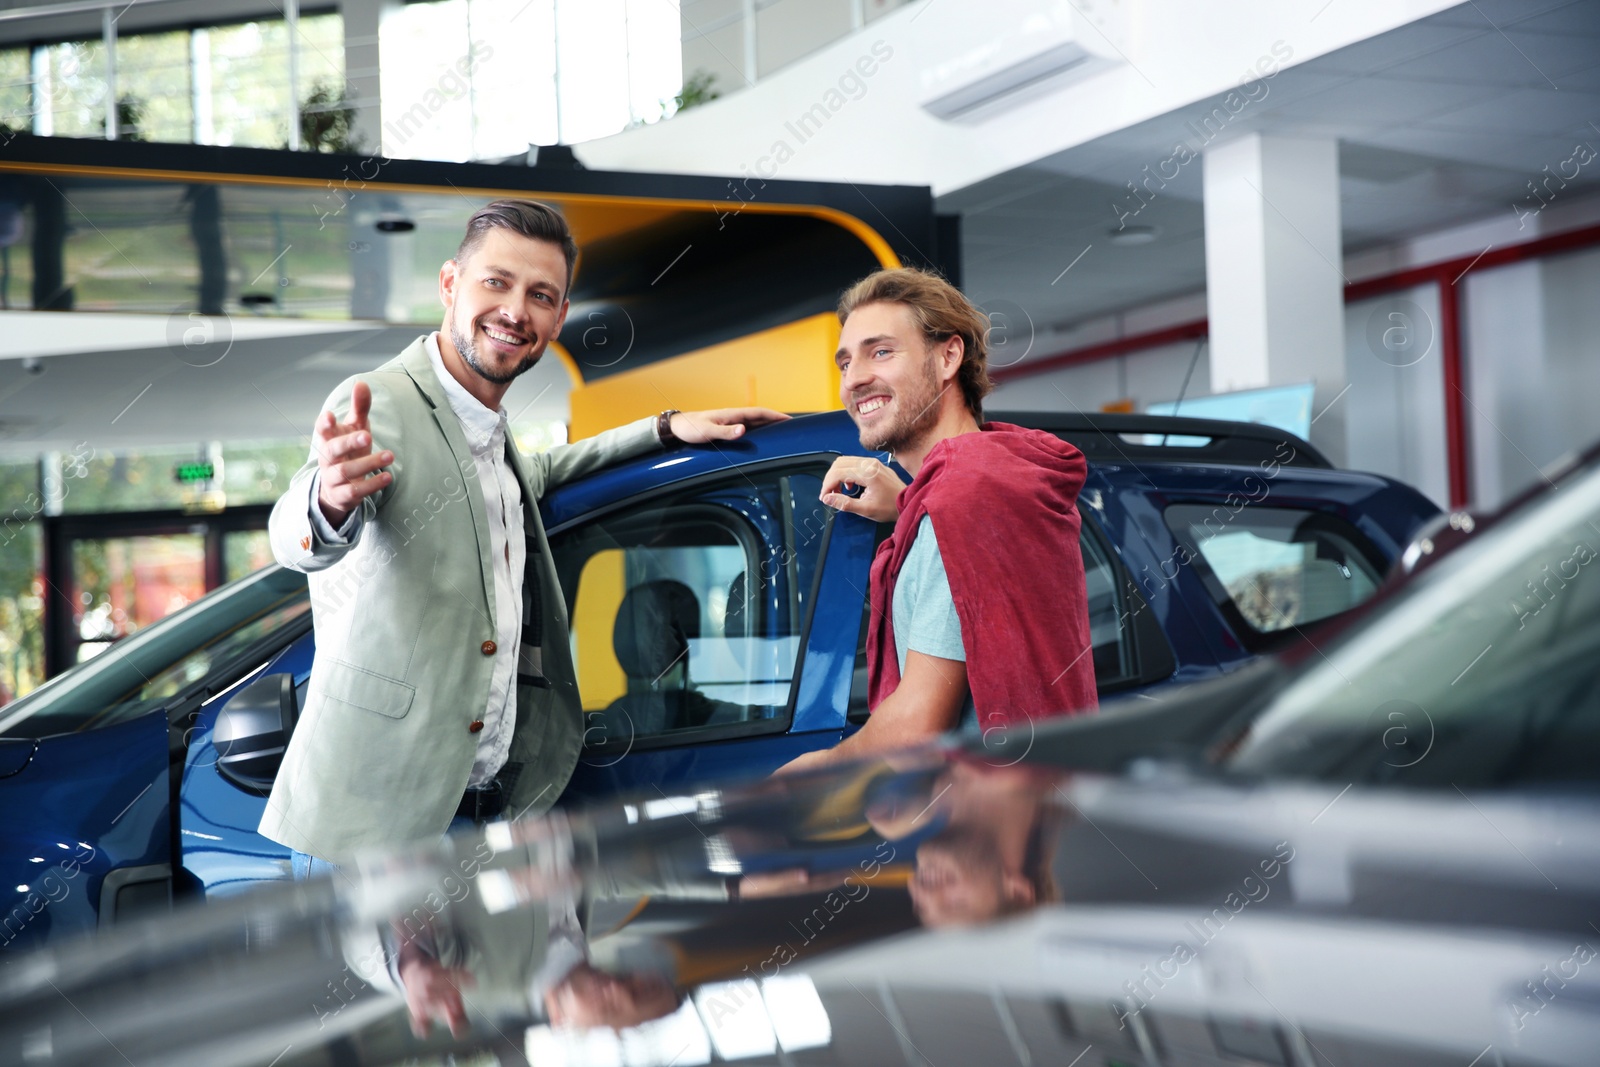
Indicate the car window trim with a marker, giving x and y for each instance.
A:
(691, 483)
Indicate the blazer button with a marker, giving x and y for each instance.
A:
(488, 648)
(475, 726)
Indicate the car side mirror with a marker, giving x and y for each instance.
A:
(252, 732)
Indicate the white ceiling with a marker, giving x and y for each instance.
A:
(1440, 122)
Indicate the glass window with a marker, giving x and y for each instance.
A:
(655, 60)
(513, 89)
(1109, 633)
(295, 257)
(127, 249)
(259, 472)
(593, 94)
(16, 93)
(247, 78)
(71, 81)
(21, 584)
(457, 87)
(244, 552)
(427, 100)
(212, 641)
(1273, 569)
(126, 583)
(153, 92)
(127, 481)
(324, 118)
(1483, 673)
(687, 612)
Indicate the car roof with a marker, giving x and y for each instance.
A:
(1105, 439)
(1117, 437)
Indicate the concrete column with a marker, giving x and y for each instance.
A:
(1274, 272)
(363, 19)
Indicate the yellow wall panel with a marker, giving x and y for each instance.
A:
(788, 367)
(594, 615)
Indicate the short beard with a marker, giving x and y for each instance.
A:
(901, 436)
(469, 354)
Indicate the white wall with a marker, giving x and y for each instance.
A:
(1149, 376)
(1394, 408)
(1533, 369)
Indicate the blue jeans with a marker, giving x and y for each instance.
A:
(304, 866)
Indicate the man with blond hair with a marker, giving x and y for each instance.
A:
(979, 610)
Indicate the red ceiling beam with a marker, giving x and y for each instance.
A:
(1187, 331)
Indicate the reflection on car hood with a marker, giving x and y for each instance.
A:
(938, 906)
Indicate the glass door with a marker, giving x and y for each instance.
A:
(108, 575)
(123, 583)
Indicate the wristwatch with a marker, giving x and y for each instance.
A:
(664, 432)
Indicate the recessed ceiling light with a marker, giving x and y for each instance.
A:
(1135, 235)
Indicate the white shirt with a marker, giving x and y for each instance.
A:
(487, 437)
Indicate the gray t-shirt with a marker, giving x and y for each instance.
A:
(924, 612)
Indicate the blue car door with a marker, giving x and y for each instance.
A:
(715, 626)
(87, 824)
(87, 760)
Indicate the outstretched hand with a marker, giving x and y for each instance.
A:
(350, 470)
(722, 424)
(433, 993)
(880, 488)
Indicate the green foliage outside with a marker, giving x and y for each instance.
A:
(15, 101)
(698, 88)
(21, 589)
(130, 118)
(153, 68)
(327, 121)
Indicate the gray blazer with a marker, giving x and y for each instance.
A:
(403, 615)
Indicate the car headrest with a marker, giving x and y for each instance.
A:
(736, 623)
(653, 628)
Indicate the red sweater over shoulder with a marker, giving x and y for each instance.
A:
(1004, 507)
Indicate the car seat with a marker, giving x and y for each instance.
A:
(651, 637)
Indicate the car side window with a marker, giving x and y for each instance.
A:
(687, 611)
(1272, 568)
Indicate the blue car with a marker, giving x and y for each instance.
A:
(718, 625)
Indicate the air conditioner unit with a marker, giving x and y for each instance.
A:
(1021, 44)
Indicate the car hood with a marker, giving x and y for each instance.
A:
(974, 909)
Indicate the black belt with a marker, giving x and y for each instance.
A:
(483, 804)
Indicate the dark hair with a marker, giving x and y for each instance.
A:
(941, 312)
(527, 217)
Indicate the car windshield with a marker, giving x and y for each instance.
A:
(145, 670)
(1484, 673)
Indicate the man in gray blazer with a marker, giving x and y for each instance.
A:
(443, 686)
